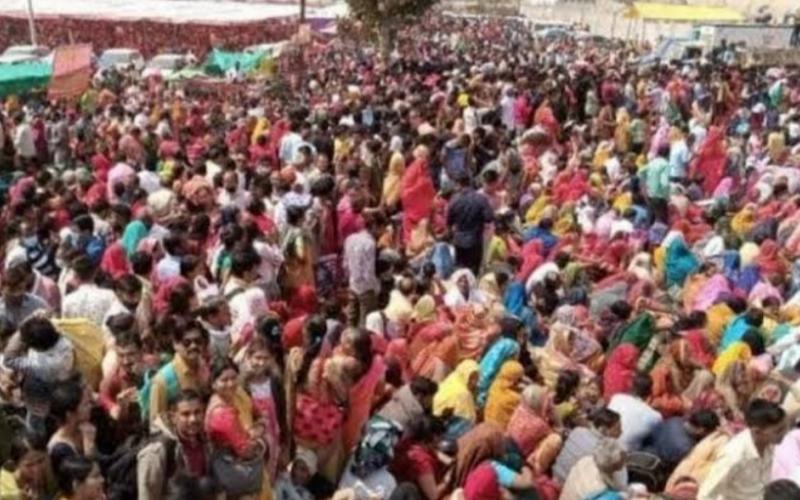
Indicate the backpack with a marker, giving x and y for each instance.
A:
(173, 387)
(647, 469)
(121, 466)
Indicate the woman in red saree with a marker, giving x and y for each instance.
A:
(545, 117)
(417, 192)
(769, 259)
(671, 376)
(115, 262)
(360, 402)
(711, 159)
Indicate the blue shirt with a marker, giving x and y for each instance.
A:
(679, 159)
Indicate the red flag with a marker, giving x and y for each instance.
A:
(72, 69)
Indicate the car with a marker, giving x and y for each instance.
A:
(29, 51)
(167, 64)
(553, 34)
(17, 59)
(120, 59)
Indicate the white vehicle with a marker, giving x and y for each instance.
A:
(120, 59)
(268, 49)
(30, 52)
(17, 59)
(166, 65)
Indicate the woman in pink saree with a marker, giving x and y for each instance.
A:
(417, 192)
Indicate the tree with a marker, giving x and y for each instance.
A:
(384, 17)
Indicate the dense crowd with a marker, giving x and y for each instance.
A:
(149, 37)
(487, 267)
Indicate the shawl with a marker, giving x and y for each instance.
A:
(482, 442)
(501, 351)
(134, 233)
(454, 393)
(532, 257)
(528, 424)
(709, 292)
(619, 371)
(503, 395)
(360, 399)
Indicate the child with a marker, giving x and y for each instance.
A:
(263, 381)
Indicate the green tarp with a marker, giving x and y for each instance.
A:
(25, 76)
(220, 61)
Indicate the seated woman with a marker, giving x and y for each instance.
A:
(531, 429)
(479, 463)
(415, 458)
(504, 394)
(457, 392)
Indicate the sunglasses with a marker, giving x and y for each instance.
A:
(189, 341)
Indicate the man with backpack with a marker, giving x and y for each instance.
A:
(187, 370)
(176, 446)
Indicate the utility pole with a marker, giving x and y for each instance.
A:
(31, 24)
(302, 11)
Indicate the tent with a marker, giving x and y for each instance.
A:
(220, 61)
(681, 13)
(25, 76)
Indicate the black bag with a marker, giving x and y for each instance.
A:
(236, 476)
(120, 467)
(647, 469)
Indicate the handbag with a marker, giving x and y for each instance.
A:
(238, 476)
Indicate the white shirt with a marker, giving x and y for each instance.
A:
(88, 301)
(738, 473)
(23, 141)
(289, 147)
(359, 261)
(637, 418)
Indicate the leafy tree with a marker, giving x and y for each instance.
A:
(384, 17)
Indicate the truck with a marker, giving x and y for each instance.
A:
(755, 36)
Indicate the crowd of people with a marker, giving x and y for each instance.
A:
(486, 267)
(150, 37)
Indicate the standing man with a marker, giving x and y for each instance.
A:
(467, 217)
(655, 176)
(360, 251)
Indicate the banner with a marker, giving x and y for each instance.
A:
(220, 61)
(72, 70)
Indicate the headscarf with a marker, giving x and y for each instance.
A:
(503, 395)
(454, 297)
(134, 233)
(619, 371)
(769, 261)
(424, 309)
(454, 392)
(482, 483)
(500, 352)
(679, 263)
(115, 262)
(737, 351)
(393, 180)
(483, 442)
